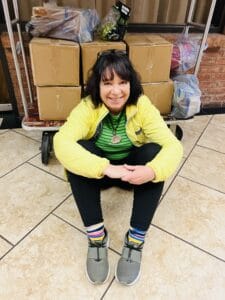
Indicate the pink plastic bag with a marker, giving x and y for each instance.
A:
(184, 54)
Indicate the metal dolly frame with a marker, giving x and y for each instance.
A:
(48, 128)
(30, 120)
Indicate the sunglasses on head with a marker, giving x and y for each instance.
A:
(112, 51)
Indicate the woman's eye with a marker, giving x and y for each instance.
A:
(123, 82)
(107, 83)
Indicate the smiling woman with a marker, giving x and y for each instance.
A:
(115, 136)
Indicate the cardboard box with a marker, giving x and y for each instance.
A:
(160, 94)
(89, 53)
(150, 55)
(55, 103)
(55, 62)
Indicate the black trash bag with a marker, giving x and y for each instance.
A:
(113, 27)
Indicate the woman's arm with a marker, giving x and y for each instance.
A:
(167, 160)
(72, 155)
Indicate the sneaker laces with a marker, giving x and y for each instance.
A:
(131, 247)
(98, 246)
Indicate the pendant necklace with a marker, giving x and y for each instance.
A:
(115, 138)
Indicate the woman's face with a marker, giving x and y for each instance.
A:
(114, 92)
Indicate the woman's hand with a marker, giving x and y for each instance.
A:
(138, 174)
(116, 171)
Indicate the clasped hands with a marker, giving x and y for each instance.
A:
(133, 174)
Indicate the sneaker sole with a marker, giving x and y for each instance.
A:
(107, 277)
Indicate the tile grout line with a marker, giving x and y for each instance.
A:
(5, 239)
(214, 150)
(19, 165)
(107, 289)
(209, 187)
(42, 220)
(67, 222)
(172, 181)
(201, 134)
(26, 136)
(83, 232)
(189, 243)
(186, 158)
(39, 168)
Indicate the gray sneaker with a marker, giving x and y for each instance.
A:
(97, 265)
(128, 267)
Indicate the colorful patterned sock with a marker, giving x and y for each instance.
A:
(96, 233)
(136, 236)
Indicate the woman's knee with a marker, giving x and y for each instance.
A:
(153, 149)
(147, 152)
(90, 146)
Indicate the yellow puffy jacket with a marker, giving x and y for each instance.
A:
(144, 125)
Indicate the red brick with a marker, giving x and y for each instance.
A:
(220, 97)
(216, 90)
(209, 61)
(220, 60)
(209, 102)
(207, 55)
(211, 69)
(221, 82)
(218, 77)
(206, 84)
(204, 76)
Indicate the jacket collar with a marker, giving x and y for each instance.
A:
(130, 110)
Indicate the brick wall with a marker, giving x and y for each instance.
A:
(211, 73)
(12, 70)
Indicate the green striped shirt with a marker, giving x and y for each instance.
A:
(104, 141)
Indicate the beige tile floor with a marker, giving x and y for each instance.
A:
(42, 240)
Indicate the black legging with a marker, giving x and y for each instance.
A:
(86, 191)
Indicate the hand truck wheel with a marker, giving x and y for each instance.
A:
(177, 131)
(45, 147)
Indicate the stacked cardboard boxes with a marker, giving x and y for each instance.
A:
(151, 57)
(56, 70)
(56, 73)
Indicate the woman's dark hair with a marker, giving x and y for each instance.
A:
(108, 62)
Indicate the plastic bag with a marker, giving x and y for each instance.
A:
(186, 97)
(184, 54)
(113, 26)
(66, 23)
